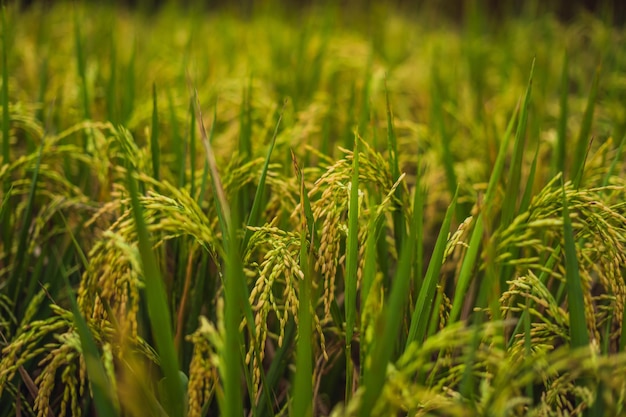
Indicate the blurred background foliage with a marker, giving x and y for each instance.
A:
(457, 10)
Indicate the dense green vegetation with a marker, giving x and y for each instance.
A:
(311, 213)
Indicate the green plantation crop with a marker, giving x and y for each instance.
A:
(311, 212)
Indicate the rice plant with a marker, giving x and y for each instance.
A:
(311, 211)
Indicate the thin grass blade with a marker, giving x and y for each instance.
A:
(100, 385)
(420, 317)
(154, 136)
(352, 261)
(16, 279)
(562, 124)
(579, 335)
(515, 170)
(399, 226)
(389, 326)
(6, 123)
(616, 160)
(467, 268)
(257, 204)
(584, 136)
(158, 307)
(303, 379)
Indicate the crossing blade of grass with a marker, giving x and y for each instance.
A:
(277, 367)
(585, 128)
(421, 318)
(192, 149)
(6, 122)
(235, 289)
(158, 307)
(616, 160)
(562, 126)
(128, 99)
(525, 319)
(352, 262)
(515, 170)
(82, 73)
(419, 201)
(111, 92)
(390, 322)
(154, 136)
(581, 169)
(498, 166)
(303, 379)
(579, 336)
(227, 222)
(177, 139)
(16, 280)
(369, 269)
(257, 204)
(245, 123)
(399, 227)
(467, 268)
(549, 265)
(103, 397)
(245, 146)
(498, 276)
(445, 137)
(528, 192)
(223, 210)
(467, 387)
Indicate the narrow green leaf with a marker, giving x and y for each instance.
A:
(419, 202)
(245, 147)
(498, 166)
(6, 121)
(82, 73)
(467, 387)
(467, 267)
(616, 160)
(579, 336)
(245, 123)
(235, 289)
(192, 148)
(100, 385)
(16, 279)
(158, 306)
(231, 376)
(562, 126)
(177, 139)
(525, 319)
(528, 192)
(581, 168)
(154, 136)
(111, 92)
(128, 103)
(584, 136)
(445, 137)
(369, 266)
(388, 327)
(277, 368)
(257, 204)
(303, 379)
(421, 317)
(5, 219)
(549, 265)
(352, 263)
(515, 170)
(399, 226)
